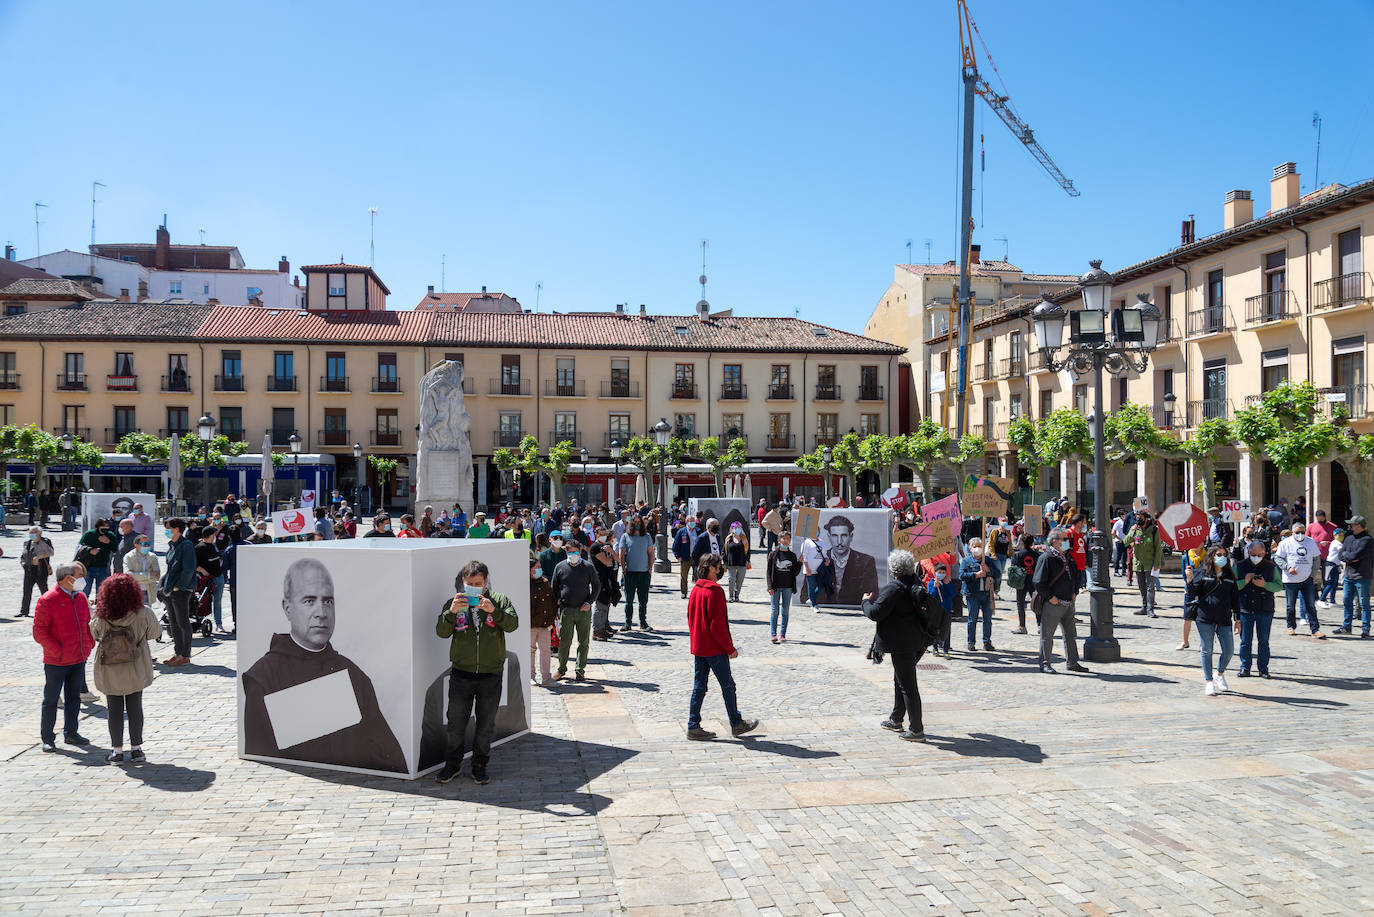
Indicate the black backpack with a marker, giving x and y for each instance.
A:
(929, 611)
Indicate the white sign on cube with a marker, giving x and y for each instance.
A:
(726, 509)
(114, 506)
(356, 679)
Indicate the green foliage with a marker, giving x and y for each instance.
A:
(1284, 426)
(733, 455)
(30, 444)
(1130, 434)
(384, 467)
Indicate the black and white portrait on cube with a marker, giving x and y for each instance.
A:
(854, 572)
(295, 664)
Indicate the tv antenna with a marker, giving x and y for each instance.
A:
(1317, 167)
(538, 290)
(95, 184)
(908, 251)
(37, 238)
(927, 251)
(372, 236)
(443, 267)
(1006, 246)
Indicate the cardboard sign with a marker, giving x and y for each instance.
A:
(895, 498)
(313, 709)
(1235, 511)
(1033, 519)
(772, 522)
(924, 540)
(946, 508)
(288, 522)
(307, 499)
(1183, 526)
(835, 502)
(985, 496)
(806, 522)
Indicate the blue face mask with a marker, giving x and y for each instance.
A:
(167, 533)
(1065, 545)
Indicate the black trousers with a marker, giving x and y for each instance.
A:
(117, 704)
(64, 680)
(179, 614)
(33, 576)
(467, 690)
(906, 700)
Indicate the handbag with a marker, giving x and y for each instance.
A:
(1038, 602)
(1016, 576)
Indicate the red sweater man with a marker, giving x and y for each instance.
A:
(708, 627)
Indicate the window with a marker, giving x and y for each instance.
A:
(6, 414)
(731, 427)
(1166, 310)
(1273, 305)
(283, 425)
(1273, 369)
(178, 420)
(336, 372)
(388, 427)
(178, 375)
(870, 390)
(620, 379)
(1046, 403)
(1080, 399)
(9, 373)
(1014, 347)
(337, 285)
(231, 423)
(73, 370)
(1016, 408)
(618, 427)
(685, 425)
(1214, 389)
(386, 372)
(284, 364)
(15, 308)
(252, 293)
(868, 424)
(205, 288)
(732, 381)
(825, 381)
(827, 428)
(780, 381)
(565, 423)
(987, 353)
(1121, 394)
(510, 373)
(231, 364)
(1347, 374)
(1214, 289)
(335, 431)
(779, 431)
(174, 288)
(510, 423)
(1348, 251)
(565, 379)
(71, 419)
(124, 364)
(127, 258)
(684, 380)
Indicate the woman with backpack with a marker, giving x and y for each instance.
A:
(1019, 574)
(122, 626)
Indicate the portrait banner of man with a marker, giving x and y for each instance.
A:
(337, 653)
(855, 543)
(112, 506)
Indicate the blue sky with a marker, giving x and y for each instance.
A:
(593, 146)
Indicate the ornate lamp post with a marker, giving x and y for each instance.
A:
(295, 440)
(1117, 343)
(68, 513)
(357, 478)
(616, 452)
(826, 455)
(205, 429)
(662, 433)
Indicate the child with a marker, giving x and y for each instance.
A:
(944, 588)
(543, 613)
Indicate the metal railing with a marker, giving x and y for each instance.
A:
(1351, 289)
(281, 383)
(782, 441)
(387, 385)
(228, 383)
(390, 438)
(727, 438)
(824, 439)
(619, 389)
(281, 436)
(1351, 400)
(507, 439)
(71, 382)
(1209, 320)
(114, 434)
(565, 436)
(1169, 332)
(1037, 362)
(999, 432)
(683, 390)
(176, 382)
(514, 387)
(1167, 417)
(553, 388)
(871, 393)
(1208, 409)
(828, 392)
(621, 436)
(333, 438)
(168, 432)
(1274, 306)
(117, 383)
(982, 372)
(9, 381)
(977, 429)
(334, 384)
(780, 391)
(732, 391)
(1011, 367)
(233, 434)
(79, 432)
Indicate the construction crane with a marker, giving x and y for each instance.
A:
(975, 85)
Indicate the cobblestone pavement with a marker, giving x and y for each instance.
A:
(1122, 791)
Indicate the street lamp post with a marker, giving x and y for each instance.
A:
(68, 516)
(662, 432)
(357, 478)
(826, 455)
(583, 454)
(205, 429)
(615, 485)
(295, 440)
(1118, 343)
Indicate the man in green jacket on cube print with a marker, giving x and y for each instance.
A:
(475, 622)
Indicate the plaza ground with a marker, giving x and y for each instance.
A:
(1125, 791)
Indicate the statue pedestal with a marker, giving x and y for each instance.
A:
(445, 478)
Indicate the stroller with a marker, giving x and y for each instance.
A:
(202, 610)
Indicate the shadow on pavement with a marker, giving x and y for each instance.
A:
(194, 668)
(984, 745)
(172, 778)
(785, 749)
(1319, 703)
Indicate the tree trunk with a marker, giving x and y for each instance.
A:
(852, 481)
(1205, 470)
(720, 481)
(924, 475)
(1360, 473)
(555, 486)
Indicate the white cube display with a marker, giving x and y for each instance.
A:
(339, 664)
(726, 509)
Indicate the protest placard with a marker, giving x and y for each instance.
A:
(806, 522)
(946, 508)
(925, 539)
(986, 496)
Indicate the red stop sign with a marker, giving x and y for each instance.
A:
(1183, 526)
(293, 522)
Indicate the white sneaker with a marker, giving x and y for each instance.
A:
(1220, 682)
(1211, 689)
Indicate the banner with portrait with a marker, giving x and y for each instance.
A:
(855, 543)
(114, 507)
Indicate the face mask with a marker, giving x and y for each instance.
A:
(262, 531)
(940, 577)
(79, 584)
(1256, 558)
(574, 559)
(1221, 562)
(144, 549)
(1065, 545)
(386, 528)
(33, 536)
(976, 552)
(167, 533)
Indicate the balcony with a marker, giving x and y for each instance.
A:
(1271, 308)
(229, 383)
(281, 436)
(683, 391)
(982, 372)
(390, 385)
(780, 441)
(824, 439)
(1169, 331)
(978, 430)
(1343, 292)
(114, 434)
(619, 388)
(871, 393)
(333, 384)
(727, 438)
(565, 388)
(1351, 400)
(512, 387)
(780, 391)
(169, 432)
(233, 434)
(734, 391)
(621, 436)
(386, 438)
(71, 382)
(1207, 409)
(1208, 321)
(506, 439)
(1038, 363)
(9, 381)
(999, 432)
(828, 392)
(333, 438)
(1011, 368)
(78, 432)
(566, 436)
(281, 383)
(1167, 417)
(176, 382)
(114, 383)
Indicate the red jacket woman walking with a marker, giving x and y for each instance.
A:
(708, 628)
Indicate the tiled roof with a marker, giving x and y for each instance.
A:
(150, 246)
(950, 268)
(1050, 278)
(460, 301)
(344, 268)
(46, 288)
(266, 324)
(11, 271)
(116, 320)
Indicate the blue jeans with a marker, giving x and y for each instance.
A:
(1358, 587)
(973, 602)
(217, 602)
(705, 665)
(66, 680)
(94, 577)
(1331, 581)
(1255, 628)
(813, 589)
(1307, 591)
(782, 603)
(1222, 635)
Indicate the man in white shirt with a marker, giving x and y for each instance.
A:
(1297, 557)
(812, 558)
(1119, 544)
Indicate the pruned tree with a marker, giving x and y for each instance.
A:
(42, 449)
(734, 454)
(879, 454)
(385, 468)
(925, 450)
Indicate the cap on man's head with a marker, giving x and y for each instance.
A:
(1355, 520)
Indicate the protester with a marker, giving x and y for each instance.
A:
(553, 555)
(324, 525)
(1259, 579)
(122, 626)
(575, 587)
(636, 555)
(903, 610)
(1147, 553)
(93, 551)
(1213, 600)
(61, 625)
(608, 579)
(684, 544)
(1056, 587)
(36, 559)
(1119, 546)
(476, 632)
(178, 585)
(1331, 571)
(709, 542)
(977, 590)
(813, 564)
(143, 566)
(708, 630)
(736, 560)
(1020, 573)
(945, 589)
(426, 525)
(1357, 553)
(210, 570)
(780, 576)
(127, 536)
(543, 616)
(408, 529)
(381, 527)
(1078, 529)
(479, 528)
(1297, 558)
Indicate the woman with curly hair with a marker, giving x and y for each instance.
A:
(122, 626)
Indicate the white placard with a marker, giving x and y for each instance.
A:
(288, 522)
(313, 709)
(307, 499)
(114, 506)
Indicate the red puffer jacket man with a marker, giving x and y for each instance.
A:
(62, 626)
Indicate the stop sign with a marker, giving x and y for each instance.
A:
(894, 498)
(1183, 526)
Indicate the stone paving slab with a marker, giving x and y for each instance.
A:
(1126, 791)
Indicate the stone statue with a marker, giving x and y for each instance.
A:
(444, 460)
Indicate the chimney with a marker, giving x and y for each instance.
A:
(124, 294)
(975, 254)
(1239, 209)
(283, 266)
(643, 312)
(1283, 187)
(163, 251)
(620, 308)
(142, 290)
(212, 301)
(9, 252)
(254, 301)
(1187, 233)
(484, 290)
(431, 289)
(703, 310)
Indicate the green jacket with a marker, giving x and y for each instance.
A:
(479, 648)
(1147, 549)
